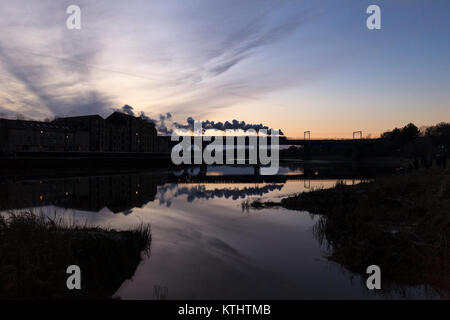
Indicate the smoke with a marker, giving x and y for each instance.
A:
(162, 124)
(127, 110)
(168, 192)
(165, 125)
(222, 126)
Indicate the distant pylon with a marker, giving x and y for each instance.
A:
(307, 133)
(356, 133)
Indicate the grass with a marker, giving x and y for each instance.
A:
(36, 250)
(401, 223)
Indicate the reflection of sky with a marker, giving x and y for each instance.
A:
(210, 248)
(229, 170)
(240, 191)
(202, 191)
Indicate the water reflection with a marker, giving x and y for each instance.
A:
(121, 192)
(117, 192)
(167, 192)
(203, 246)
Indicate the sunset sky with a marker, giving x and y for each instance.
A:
(295, 65)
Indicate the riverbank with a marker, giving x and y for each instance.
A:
(400, 223)
(55, 159)
(36, 250)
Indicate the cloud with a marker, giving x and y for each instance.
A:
(38, 78)
(55, 77)
(54, 71)
(247, 39)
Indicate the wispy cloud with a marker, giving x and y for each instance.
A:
(49, 70)
(245, 42)
(46, 68)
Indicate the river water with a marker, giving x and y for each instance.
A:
(206, 244)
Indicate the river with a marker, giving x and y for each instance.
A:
(206, 243)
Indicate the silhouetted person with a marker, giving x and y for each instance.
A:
(444, 162)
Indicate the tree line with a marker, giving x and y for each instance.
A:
(438, 134)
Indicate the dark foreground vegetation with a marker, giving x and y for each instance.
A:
(400, 223)
(35, 252)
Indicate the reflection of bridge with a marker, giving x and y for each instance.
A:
(291, 141)
(123, 191)
(308, 173)
(255, 179)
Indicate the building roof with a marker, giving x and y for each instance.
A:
(119, 117)
(69, 123)
(78, 118)
(38, 125)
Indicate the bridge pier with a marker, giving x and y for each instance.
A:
(256, 170)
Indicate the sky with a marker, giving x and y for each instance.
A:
(294, 65)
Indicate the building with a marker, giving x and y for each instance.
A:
(94, 124)
(117, 133)
(21, 135)
(130, 134)
(164, 144)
